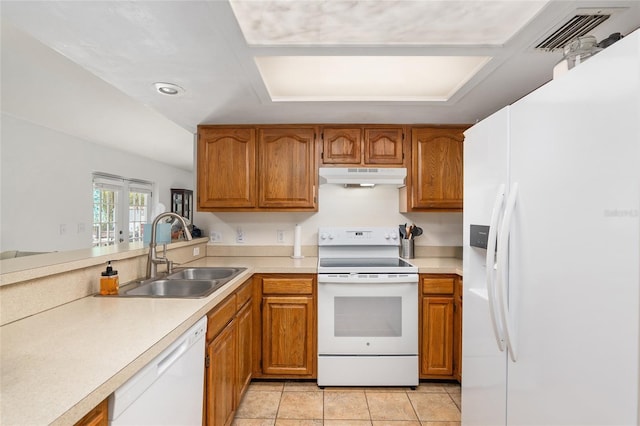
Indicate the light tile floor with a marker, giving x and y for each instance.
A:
(284, 403)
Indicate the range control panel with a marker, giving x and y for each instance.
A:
(358, 236)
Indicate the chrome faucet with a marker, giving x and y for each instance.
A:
(153, 260)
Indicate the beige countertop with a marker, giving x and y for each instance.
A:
(438, 265)
(57, 365)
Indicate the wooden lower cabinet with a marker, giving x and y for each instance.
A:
(221, 377)
(244, 333)
(228, 356)
(440, 342)
(457, 330)
(99, 416)
(437, 344)
(288, 315)
(287, 324)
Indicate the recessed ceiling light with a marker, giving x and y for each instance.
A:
(169, 89)
(367, 78)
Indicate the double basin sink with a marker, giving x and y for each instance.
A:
(185, 283)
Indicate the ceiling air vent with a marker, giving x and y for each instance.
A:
(577, 26)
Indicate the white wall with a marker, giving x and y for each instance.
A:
(46, 182)
(339, 206)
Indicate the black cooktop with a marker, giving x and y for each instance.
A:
(368, 262)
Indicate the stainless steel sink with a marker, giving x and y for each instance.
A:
(212, 273)
(175, 288)
(185, 283)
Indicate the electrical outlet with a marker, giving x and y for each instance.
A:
(215, 236)
(196, 251)
(239, 235)
(63, 229)
(280, 236)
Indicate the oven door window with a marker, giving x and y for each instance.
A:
(368, 316)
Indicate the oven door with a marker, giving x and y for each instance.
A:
(367, 314)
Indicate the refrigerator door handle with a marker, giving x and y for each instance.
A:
(492, 268)
(506, 311)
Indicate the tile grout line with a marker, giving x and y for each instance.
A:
(413, 407)
(275, 419)
(366, 400)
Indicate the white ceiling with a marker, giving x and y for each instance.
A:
(88, 68)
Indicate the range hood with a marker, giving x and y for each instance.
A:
(363, 176)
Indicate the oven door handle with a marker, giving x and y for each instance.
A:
(366, 278)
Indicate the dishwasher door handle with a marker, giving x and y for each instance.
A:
(172, 357)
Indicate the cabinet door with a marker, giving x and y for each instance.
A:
(99, 416)
(437, 336)
(226, 167)
(383, 146)
(287, 335)
(221, 377)
(437, 168)
(457, 332)
(287, 168)
(244, 327)
(341, 145)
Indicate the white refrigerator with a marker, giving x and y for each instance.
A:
(551, 305)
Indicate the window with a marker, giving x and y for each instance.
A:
(121, 207)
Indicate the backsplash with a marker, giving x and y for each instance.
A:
(339, 206)
(312, 251)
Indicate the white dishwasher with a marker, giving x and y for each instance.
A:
(168, 390)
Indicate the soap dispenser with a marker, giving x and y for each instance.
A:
(109, 281)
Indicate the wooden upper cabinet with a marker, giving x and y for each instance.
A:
(341, 146)
(363, 145)
(226, 167)
(287, 168)
(255, 168)
(383, 146)
(436, 178)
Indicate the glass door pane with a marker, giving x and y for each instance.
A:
(368, 317)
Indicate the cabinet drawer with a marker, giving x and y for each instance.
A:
(444, 285)
(287, 285)
(244, 293)
(221, 316)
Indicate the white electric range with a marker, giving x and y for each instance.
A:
(367, 309)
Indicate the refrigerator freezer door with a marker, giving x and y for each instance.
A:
(574, 247)
(484, 364)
